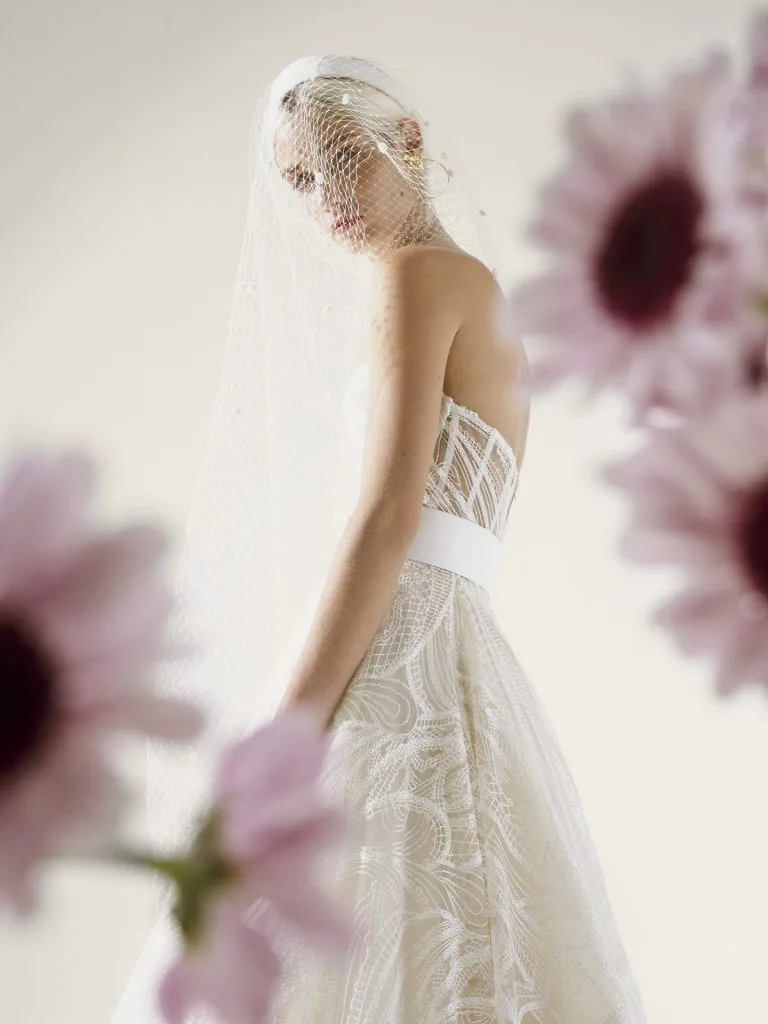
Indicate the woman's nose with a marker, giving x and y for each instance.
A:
(328, 195)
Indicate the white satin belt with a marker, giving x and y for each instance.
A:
(450, 542)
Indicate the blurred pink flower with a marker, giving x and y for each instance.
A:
(652, 245)
(257, 851)
(700, 502)
(235, 974)
(82, 616)
(756, 92)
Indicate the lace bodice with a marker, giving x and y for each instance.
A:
(474, 471)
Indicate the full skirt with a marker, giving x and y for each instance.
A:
(476, 891)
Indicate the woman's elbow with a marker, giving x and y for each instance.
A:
(392, 520)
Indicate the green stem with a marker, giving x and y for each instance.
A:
(195, 878)
(128, 857)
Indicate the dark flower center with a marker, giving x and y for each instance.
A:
(28, 707)
(755, 368)
(649, 250)
(754, 537)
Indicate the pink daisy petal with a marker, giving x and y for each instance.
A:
(42, 514)
(254, 825)
(756, 99)
(178, 993)
(109, 562)
(285, 755)
(70, 795)
(145, 713)
(696, 620)
(285, 880)
(110, 647)
(106, 572)
(254, 836)
(676, 478)
(746, 660)
(233, 973)
(677, 519)
(655, 547)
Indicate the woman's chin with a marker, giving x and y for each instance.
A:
(353, 241)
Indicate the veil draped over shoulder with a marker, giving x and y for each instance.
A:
(277, 480)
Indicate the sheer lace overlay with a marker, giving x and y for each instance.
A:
(474, 881)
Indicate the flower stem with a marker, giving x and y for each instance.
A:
(129, 857)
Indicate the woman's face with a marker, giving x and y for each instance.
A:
(353, 187)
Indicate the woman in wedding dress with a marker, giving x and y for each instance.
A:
(474, 879)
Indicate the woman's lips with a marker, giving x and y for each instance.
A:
(344, 224)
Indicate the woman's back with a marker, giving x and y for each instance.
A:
(486, 370)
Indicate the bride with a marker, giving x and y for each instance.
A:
(473, 877)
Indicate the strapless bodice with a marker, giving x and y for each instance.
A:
(474, 471)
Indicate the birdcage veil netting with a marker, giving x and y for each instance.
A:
(342, 170)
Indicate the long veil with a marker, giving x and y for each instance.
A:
(277, 480)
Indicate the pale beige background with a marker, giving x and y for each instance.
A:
(123, 138)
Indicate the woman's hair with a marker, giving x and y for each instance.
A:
(327, 103)
(347, 96)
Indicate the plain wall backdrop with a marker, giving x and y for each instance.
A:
(123, 143)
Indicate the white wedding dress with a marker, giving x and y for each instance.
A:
(473, 877)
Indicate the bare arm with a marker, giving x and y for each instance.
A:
(412, 340)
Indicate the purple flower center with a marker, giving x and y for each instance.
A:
(28, 708)
(649, 250)
(754, 537)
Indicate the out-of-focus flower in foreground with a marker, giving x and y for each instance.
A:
(700, 502)
(651, 245)
(257, 849)
(82, 619)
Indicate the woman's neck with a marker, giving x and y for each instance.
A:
(428, 232)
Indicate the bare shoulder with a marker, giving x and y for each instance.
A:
(440, 273)
(424, 303)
